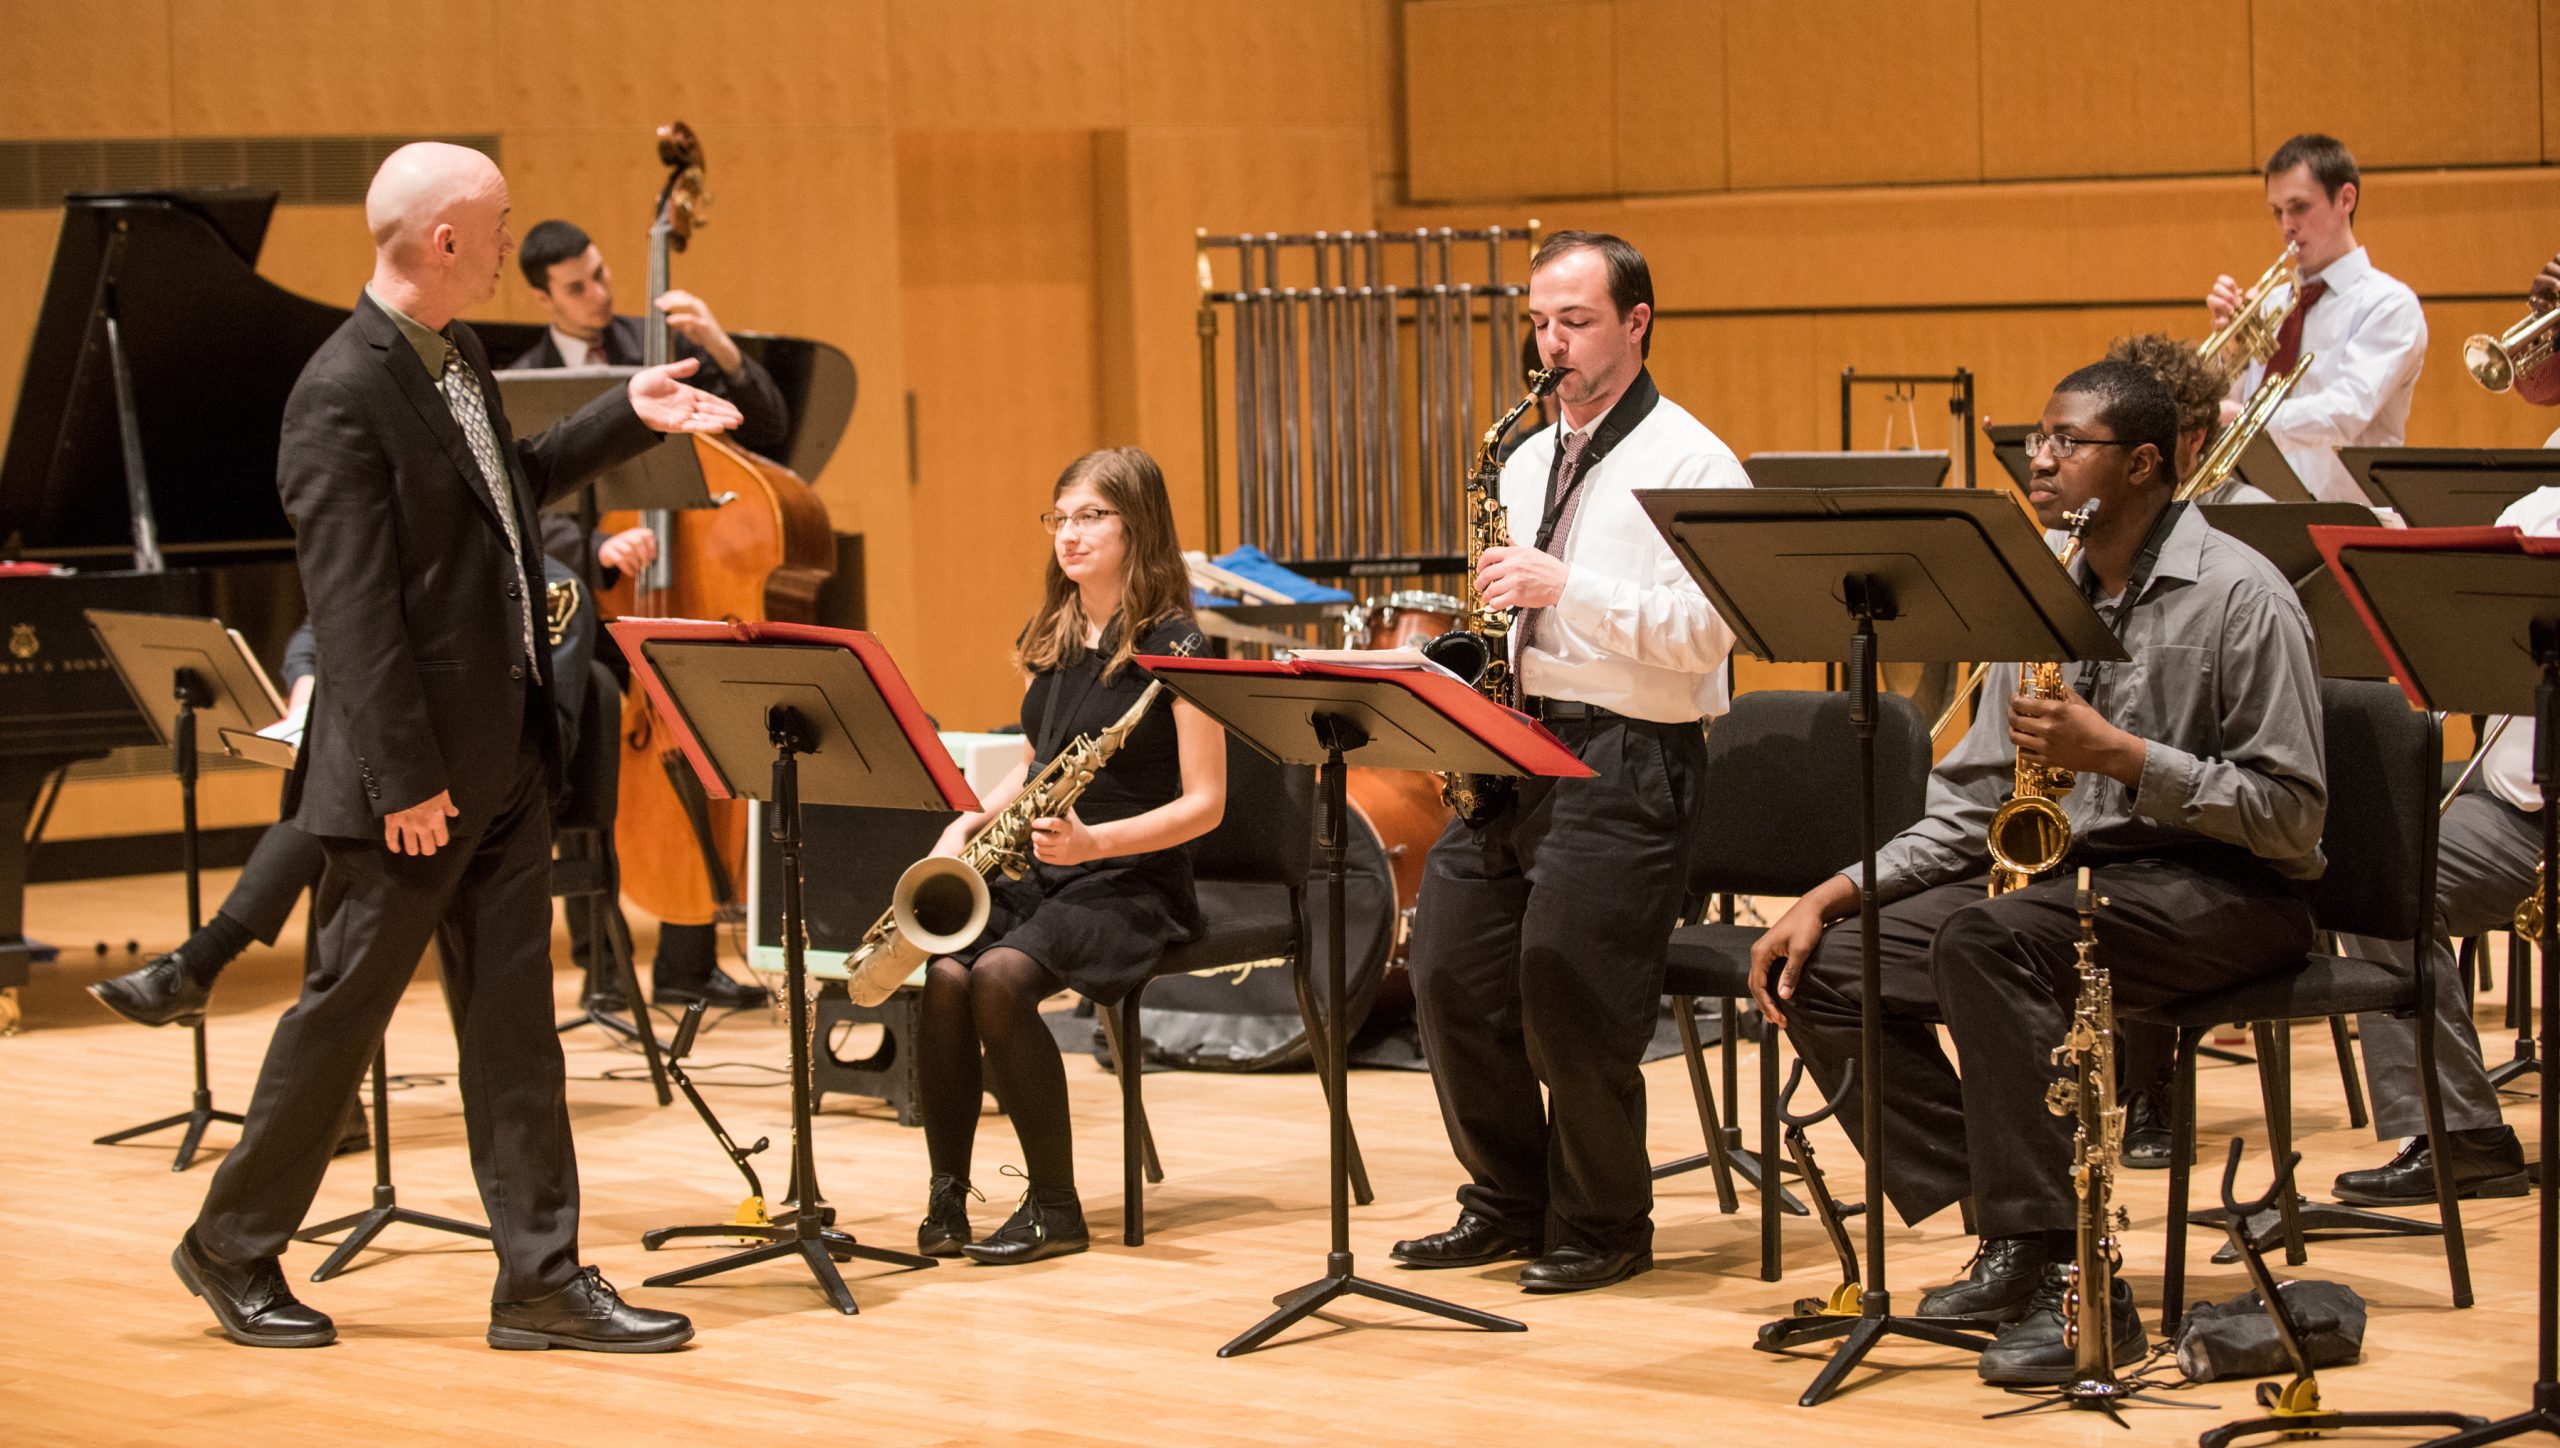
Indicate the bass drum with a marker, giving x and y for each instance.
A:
(1246, 1019)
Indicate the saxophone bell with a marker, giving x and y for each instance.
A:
(940, 904)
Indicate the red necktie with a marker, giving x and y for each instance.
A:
(2289, 336)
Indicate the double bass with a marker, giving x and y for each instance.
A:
(761, 552)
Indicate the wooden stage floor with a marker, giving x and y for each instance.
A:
(100, 1345)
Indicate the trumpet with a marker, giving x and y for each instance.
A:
(2029, 834)
(2251, 332)
(2223, 459)
(2499, 363)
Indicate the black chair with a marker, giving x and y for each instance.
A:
(1252, 875)
(584, 870)
(2380, 839)
(1780, 816)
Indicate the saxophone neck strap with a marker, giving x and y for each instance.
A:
(2135, 582)
(1632, 408)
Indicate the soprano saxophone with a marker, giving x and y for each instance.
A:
(941, 902)
(2089, 1096)
(1478, 649)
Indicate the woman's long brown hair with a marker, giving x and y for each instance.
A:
(1158, 587)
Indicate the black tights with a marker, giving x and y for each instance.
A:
(996, 1003)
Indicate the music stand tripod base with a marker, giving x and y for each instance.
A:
(362, 1227)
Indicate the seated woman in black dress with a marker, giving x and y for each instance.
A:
(1111, 885)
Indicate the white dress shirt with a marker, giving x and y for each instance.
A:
(2507, 770)
(1632, 633)
(2368, 339)
(574, 353)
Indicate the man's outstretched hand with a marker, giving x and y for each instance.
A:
(667, 404)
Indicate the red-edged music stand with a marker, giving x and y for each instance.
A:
(2469, 620)
(1332, 715)
(827, 713)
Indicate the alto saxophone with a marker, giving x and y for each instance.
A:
(941, 903)
(2089, 1049)
(2030, 833)
(1478, 649)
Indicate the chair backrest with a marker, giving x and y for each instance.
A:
(1781, 805)
(595, 757)
(1267, 835)
(2383, 760)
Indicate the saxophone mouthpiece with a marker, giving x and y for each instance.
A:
(1543, 382)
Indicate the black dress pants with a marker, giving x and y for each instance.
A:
(286, 862)
(487, 900)
(1537, 961)
(2001, 975)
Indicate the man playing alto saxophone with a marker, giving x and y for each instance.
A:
(2199, 804)
(1538, 941)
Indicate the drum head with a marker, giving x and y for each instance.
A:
(1247, 1020)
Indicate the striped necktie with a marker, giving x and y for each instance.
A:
(470, 410)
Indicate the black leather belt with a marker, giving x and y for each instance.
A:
(1561, 711)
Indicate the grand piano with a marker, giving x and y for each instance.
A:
(141, 459)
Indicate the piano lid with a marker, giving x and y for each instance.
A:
(214, 349)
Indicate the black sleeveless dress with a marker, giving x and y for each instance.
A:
(1101, 926)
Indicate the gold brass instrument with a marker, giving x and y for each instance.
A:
(2528, 921)
(1973, 679)
(1478, 649)
(2250, 335)
(941, 902)
(2089, 1096)
(560, 607)
(2030, 833)
(2222, 459)
(2499, 362)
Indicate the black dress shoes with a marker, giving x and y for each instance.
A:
(251, 1302)
(1473, 1242)
(1048, 1224)
(2146, 1132)
(2030, 1352)
(945, 1228)
(2005, 1275)
(2488, 1162)
(161, 993)
(1579, 1269)
(588, 1315)
(717, 991)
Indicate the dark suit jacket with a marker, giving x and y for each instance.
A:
(414, 598)
(766, 421)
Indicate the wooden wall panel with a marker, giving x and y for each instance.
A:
(1472, 121)
(996, 240)
(284, 67)
(1840, 92)
(998, 64)
(1670, 96)
(564, 63)
(2125, 90)
(1756, 382)
(1247, 62)
(2550, 68)
(2402, 82)
(86, 70)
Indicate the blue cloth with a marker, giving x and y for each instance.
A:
(1251, 562)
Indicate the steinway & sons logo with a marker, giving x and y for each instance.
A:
(22, 641)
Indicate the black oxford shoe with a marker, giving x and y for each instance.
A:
(160, 993)
(1580, 1269)
(1474, 1241)
(945, 1228)
(2003, 1281)
(588, 1315)
(2488, 1162)
(719, 993)
(1037, 1229)
(2030, 1352)
(2147, 1138)
(251, 1302)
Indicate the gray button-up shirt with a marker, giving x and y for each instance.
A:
(2225, 687)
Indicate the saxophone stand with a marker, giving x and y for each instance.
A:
(2430, 598)
(2294, 1410)
(751, 1220)
(185, 673)
(827, 713)
(1303, 712)
(1953, 576)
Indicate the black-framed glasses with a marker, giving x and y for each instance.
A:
(2064, 444)
(1083, 520)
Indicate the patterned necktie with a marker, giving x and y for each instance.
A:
(2289, 336)
(471, 411)
(1566, 468)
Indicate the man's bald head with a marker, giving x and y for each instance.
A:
(438, 217)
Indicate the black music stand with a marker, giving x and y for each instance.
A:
(2471, 625)
(362, 1227)
(1331, 716)
(2263, 466)
(2450, 487)
(182, 670)
(1822, 575)
(826, 715)
(1889, 469)
(2280, 532)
